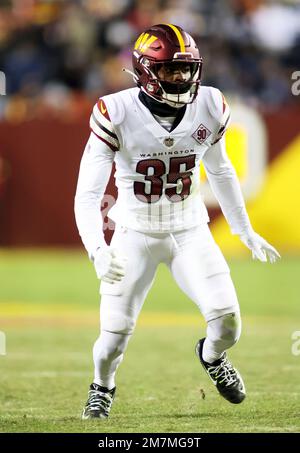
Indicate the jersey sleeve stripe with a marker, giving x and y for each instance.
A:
(226, 122)
(110, 145)
(221, 131)
(109, 132)
(225, 119)
(102, 126)
(102, 134)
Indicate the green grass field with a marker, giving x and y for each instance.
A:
(49, 314)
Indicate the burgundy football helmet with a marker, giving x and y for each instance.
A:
(167, 44)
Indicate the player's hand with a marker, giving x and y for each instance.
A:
(259, 247)
(109, 265)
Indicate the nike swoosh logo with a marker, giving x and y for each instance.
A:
(102, 110)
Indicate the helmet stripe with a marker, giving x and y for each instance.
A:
(138, 41)
(179, 36)
(148, 43)
(144, 39)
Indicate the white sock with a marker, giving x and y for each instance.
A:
(222, 333)
(108, 354)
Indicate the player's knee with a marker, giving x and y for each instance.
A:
(120, 324)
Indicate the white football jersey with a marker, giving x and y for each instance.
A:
(157, 172)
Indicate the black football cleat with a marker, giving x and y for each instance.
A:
(227, 379)
(99, 402)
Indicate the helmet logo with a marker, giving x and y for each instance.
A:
(144, 41)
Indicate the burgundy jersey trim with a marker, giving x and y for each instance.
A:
(102, 126)
(112, 147)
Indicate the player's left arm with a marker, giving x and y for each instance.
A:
(226, 188)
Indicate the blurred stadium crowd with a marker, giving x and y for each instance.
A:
(59, 56)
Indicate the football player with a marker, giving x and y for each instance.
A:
(157, 134)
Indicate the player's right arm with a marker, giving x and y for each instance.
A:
(94, 173)
(225, 185)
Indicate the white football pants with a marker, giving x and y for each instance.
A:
(194, 260)
(197, 266)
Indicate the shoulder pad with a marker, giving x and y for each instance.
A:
(219, 110)
(217, 105)
(115, 106)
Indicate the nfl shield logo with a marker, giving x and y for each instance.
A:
(169, 141)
